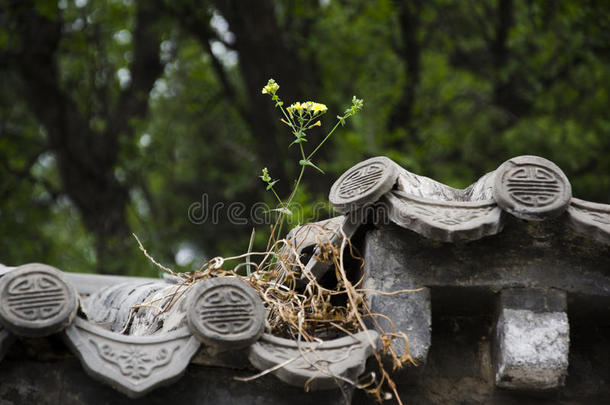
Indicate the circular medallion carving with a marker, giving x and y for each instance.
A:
(225, 312)
(35, 301)
(364, 183)
(532, 188)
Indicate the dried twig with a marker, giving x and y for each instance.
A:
(305, 313)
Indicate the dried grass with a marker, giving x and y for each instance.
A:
(304, 310)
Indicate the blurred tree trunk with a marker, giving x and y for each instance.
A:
(87, 156)
(409, 48)
(265, 51)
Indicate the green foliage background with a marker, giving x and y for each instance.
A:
(117, 115)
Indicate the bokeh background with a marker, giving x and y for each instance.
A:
(117, 115)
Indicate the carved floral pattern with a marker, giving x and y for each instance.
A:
(445, 221)
(133, 365)
(443, 215)
(308, 359)
(450, 216)
(135, 362)
(595, 216)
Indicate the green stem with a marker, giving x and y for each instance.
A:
(294, 191)
(323, 140)
(308, 121)
(277, 196)
(302, 150)
(286, 115)
(296, 186)
(279, 229)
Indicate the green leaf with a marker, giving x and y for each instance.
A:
(283, 210)
(270, 185)
(304, 162)
(298, 140)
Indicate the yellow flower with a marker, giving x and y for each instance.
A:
(271, 87)
(317, 124)
(319, 108)
(307, 107)
(295, 107)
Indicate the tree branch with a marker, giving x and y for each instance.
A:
(202, 31)
(498, 46)
(410, 51)
(145, 68)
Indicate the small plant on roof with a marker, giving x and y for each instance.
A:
(302, 313)
(300, 117)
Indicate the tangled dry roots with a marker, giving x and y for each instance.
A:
(298, 306)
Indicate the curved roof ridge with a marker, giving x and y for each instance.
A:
(528, 187)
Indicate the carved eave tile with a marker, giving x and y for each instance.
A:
(447, 221)
(532, 188)
(419, 203)
(132, 365)
(36, 300)
(317, 364)
(309, 237)
(306, 238)
(310, 234)
(225, 313)
(591, 219)
(363, 184)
